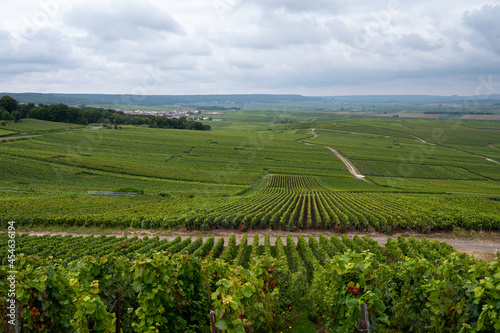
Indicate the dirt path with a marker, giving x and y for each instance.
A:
(386, 136)
(19, 137)
(352, 169)
(263, 181)
(479, 248)
(350, 132)
(491, 160)
(421, 140)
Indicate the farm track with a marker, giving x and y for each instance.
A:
(372, 134)
(477, 247)
(19, 137)
(352, 169)
(481, 156)
(350, 132)
(422, 140)
(358, 175)
(491, 160)
(415, 137)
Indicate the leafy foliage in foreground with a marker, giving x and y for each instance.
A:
(409, 285)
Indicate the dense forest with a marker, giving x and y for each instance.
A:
(10, 109)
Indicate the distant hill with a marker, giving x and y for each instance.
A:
(38, 98)
(154, 100)
(230, 100)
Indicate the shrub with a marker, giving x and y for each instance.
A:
(129, 189)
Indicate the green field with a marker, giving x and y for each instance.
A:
(35, 125)
(5, 132)
(230, 177)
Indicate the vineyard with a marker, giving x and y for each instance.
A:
(69, 248)
(255, 174)
(68, 284)
(284, 202)
(291, 202)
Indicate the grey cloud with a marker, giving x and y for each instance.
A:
(338, 30)
(122, 20)
(416, 42)
(173, 53)
(486, 23)
(288, 46)
(133, 32)
(244, 64)
(273, 31)
(47, 51)
(6, 39)
(300, 5)
(271, 39)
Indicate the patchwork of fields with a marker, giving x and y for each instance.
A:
(258, 175)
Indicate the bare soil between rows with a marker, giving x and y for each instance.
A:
(481, 245)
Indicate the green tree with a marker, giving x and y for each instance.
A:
(17, 115)
(8, 103)
(38, 112)
(81, 120)
(6, 116)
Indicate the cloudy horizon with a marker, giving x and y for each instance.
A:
(314, 48)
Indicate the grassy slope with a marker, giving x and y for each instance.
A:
(4, 132)
(34, 125)
(229, 156)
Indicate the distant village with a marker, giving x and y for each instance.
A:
(189, 114)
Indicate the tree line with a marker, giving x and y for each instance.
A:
(10, 109)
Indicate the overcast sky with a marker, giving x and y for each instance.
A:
(313, 47)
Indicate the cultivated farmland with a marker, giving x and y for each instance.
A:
(253, 172)
(253, 175)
